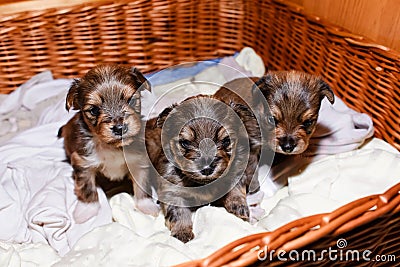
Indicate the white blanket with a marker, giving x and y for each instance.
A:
(36, 189)
(37, 199)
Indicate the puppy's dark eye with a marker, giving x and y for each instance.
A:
(132, 101)
(94, 111)
(186, 144)
(226, 142)
(272, 120)
(308, 123)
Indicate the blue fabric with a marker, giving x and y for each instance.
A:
(180, 71)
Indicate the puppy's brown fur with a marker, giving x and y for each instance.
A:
(108, 122)
(294, 100)
(205, 146)
(242, 91)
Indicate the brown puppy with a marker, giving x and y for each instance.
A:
(101, 137)
(242, 91)
(200, 149)
(293, 99)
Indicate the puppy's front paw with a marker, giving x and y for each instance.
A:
(183, 234)
(179, 221)
(86, 193)
(85, 211)
(238, 207)
(147, 206)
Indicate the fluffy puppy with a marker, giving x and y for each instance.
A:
(242, 91)
(200, 150)
(289, 113)
(294, 100)
(101, 137)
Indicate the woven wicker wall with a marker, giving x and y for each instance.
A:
(160, 33)
(153, 34)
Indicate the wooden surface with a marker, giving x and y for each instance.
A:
(12, 6)
(378, 20)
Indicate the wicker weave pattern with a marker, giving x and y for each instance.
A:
(159, 33)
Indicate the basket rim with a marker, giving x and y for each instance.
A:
(304, 231)
(352, 38)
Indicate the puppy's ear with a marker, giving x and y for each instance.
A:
(249, 121)
(72, 96)
(143, 83)
(163, 116)
(326, 91)
(256, 92)
(264, 80)
(243, 112)
(263, 83)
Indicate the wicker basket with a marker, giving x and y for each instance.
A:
(160, 33)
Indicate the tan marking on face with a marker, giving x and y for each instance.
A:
(190, 159)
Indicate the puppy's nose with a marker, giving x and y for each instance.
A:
(205, 161)
(287, 144)
(207, 171)
(120, 129)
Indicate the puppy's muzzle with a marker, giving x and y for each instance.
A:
(287, 143)
(207, 171)
(208, 162)
(120, 129)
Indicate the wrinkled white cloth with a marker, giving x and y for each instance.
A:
(142, 240)
(333, 181)
(339, 129)
(36, 186)
(22, 108)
